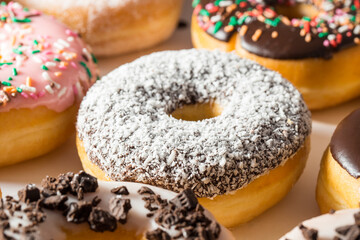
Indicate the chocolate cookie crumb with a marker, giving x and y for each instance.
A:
(100, 220)
(122, 190)
(29, 193)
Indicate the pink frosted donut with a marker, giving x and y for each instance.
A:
(45, 69)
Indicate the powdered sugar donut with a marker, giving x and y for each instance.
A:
(45, 69)
(197, 119)
(115, 26)
(77, 206)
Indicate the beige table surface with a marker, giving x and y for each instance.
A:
(299, 205)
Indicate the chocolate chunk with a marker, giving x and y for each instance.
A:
(357, 218)
(29, 193)
(353, 233)
(83, 183)
(45, 192)
(186, 199)
(215, 229)
(308, 233)
(79, 212)
(3, 215)
(145, 190)
(343, 230)
(96, 200)
(122, 190)
(54, 202)
(119, 208)
(157, 234)
(101, 221)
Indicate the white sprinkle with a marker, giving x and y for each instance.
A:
(46, 76)
(50, 64)
(49, 89)
(215, 18)
(343, 29)
(63, 42)
(62, 92)
(37, 59)
(58, 46)
(225, 3)
(70, 39)
(331, 37)
(27, 88)
(86, 52)
(357, 30)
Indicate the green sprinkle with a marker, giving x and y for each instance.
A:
(233, 21)
(97, 78)
(44, 67)
(6, 83)
(25, 20)
(94, 58)
(352, 18)
(35, 51)
(3, 3)
(217, 2)
(204, 12)
(3, 19)
(10, 78)
(57, 60)
(195, 3)
(242, 19)
(17, 51)
(306, 19)
(15, 73)
(19, 90)
(323, 34)
(217, 26)
(6, 63)
(238, 1)
(36, 42)
(25, 9)
(86, 68)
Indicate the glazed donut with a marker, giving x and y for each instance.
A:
(115, 26)
(45, 70)
(77, 206)
(313, 52)
(197, 119)
(338, 181)
(342, 224)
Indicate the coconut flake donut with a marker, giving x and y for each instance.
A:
(338, 181)
(45, 69)
(342, 224)
(115, 26)
(77, 206)
(313, 44)
(197, 119)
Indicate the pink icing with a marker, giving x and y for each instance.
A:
(56, 88)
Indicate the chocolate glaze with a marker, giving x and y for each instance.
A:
(289, 44)
(345, 144)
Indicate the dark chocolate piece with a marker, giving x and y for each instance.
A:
(79, 212)
(101, 220)
(145, 190)
(54, 202)
(119, 208)
(83, 183)
(186, 199)
(29, 193)
(309, 233)
(157, 234)
(345, 144)
(122, 190)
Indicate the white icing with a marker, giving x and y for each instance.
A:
(126, 129)
(136, 220)
(325, 225)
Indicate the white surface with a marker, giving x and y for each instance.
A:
(299, 205)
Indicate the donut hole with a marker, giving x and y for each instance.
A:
(298, 10)
(197, 112)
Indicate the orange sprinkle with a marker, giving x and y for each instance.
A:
(285, 20)
(25, 26)
(261, 18)
(356, 40)
(243, 30)
(228, 28)
(308, 37)
(274, 34)
(256, 35)
(58, 74)
(13, 40)
(9, 89)
(231, 8)
(28, 81)
(302, 32)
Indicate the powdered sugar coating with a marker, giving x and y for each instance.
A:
(126, 129)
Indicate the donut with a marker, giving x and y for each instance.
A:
(235, 133)
(115, 26)
(338, 181)
(78, 206)
(313, 44)
(45, 69)
(342, 224)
